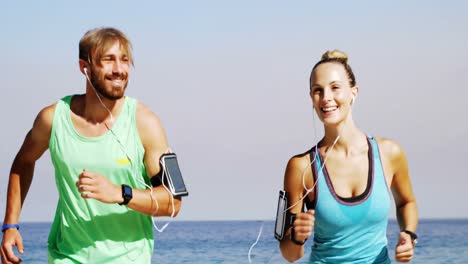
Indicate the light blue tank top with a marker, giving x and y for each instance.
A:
(351, 230)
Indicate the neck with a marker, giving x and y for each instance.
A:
(351, 138)
(98, 112)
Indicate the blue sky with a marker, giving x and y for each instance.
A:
(229, 80)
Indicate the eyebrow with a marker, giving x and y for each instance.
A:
(332, 82)
(336, 82)
(110, 55)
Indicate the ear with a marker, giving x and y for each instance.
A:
(83, 65)
(354, 91)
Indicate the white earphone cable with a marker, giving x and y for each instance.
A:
(163, 167)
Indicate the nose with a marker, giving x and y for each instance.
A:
(327, 95)
(117, 67)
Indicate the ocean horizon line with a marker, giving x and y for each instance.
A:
(428, 219)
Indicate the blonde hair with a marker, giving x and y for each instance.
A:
(337, 56)
(96, 41)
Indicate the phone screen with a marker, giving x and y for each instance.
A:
(280, 215)
(175, 175)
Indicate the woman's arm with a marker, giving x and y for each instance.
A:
(405, 200)
(303, 225)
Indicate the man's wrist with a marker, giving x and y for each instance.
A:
(8, 226)
(127, 194)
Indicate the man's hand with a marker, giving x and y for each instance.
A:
(11, 238)
(95, 186)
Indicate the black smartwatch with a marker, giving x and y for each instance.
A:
(126, 194)
(413, 236)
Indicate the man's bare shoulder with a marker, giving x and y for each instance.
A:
(149, 127)
(45, 118)
(146, 119)
(37, 140)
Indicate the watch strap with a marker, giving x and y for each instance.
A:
(413, 236)
(293, 238)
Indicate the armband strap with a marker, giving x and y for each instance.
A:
(156, 179)
(290, 217)
(8, 226)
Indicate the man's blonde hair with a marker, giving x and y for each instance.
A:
(96, 41)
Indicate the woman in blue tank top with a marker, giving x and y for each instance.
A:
(344, 181)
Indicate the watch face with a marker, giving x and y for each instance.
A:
(126, 194)
(127, 191)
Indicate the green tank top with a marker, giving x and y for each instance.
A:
(86, 230)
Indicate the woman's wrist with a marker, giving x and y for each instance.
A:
(413, 236)
(293, 238)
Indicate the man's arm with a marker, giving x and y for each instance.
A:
(95, 186)
(21, 174)
(154, 141)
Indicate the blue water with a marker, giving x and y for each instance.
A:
(441, 241)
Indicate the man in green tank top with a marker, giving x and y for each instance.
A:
(105, 147)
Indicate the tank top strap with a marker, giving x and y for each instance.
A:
(310, 204)
(379, 171)
(61, 114)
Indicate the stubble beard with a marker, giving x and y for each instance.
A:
(99, 86)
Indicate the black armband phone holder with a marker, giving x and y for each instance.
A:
(170, 175)
(156, 179)
(284, 218)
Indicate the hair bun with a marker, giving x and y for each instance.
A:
(335, 55)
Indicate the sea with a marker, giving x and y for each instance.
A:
(440, 241)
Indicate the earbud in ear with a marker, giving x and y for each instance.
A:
(352, 100)
(85, 70)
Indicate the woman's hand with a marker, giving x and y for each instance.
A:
(404, 250)
(303, 225)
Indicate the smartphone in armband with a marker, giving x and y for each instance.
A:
(171, 175)
(284, 219)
